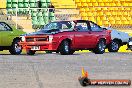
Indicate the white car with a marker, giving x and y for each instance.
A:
(118, 39)
(129, 44)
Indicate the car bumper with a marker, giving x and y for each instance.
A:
(39, 46)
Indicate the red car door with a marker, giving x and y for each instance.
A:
(95, 32)
(81, 39)
(82, 35)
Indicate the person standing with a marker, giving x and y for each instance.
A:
(39, 4)
(51, 8)
(51, 12)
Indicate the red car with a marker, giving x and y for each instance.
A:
(66, 37)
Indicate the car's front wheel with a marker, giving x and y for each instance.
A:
(65, 48)
(15, 48)
(100, 48)
(114, 46)
(30, 52)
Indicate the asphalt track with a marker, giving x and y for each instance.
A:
(62, 71)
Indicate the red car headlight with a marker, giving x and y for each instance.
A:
(50, 38)
(22, 38)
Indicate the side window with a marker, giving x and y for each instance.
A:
(95, 27)
(82, 26)
(4, 27)
(64, 26)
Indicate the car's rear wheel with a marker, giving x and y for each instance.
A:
(72, 51)
(100, 48)
(15, 48)
(30, 52)
(57, 51)
(65, 48)
(114, 46)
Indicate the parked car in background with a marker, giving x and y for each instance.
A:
(9, 38)
(66, 37)
(118, 39)
(129, 44)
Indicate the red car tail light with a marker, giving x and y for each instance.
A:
(109, 31)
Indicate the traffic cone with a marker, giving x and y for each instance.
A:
(84, 80)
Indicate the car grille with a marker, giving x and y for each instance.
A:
(36, 39)
(41, 39)
(29, 39)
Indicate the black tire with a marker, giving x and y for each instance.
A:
(100, 47)
(57, 51)
(65, 48)
(15, 48)
(72, 51)
(48, 51)
(30, 52)
(114, 46)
